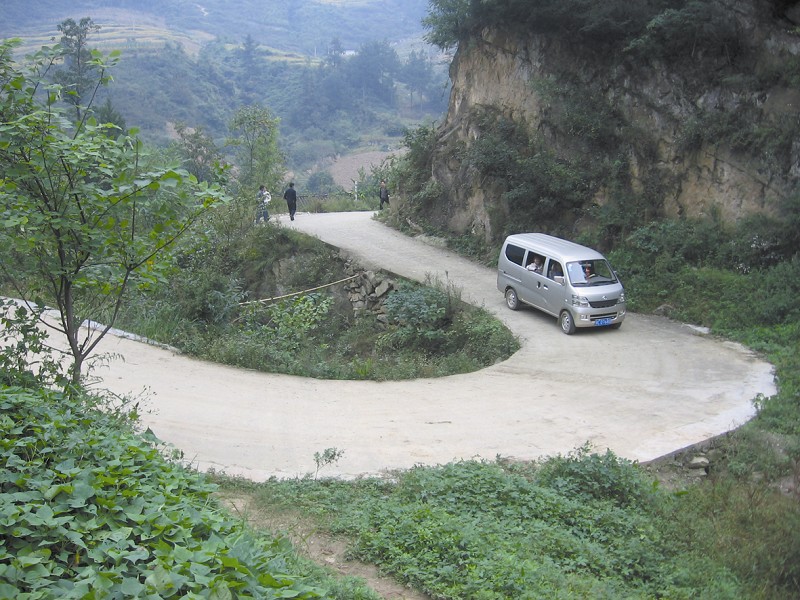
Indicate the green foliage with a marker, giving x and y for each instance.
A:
(83, 215)
(330, 456)
(698, 27)
(586, 474)
(450, 22)
(201, 156)
(419, 316)
(321, 182)
(78, 76)
(255, 132)
(744, 132)
(476, 529)
(26, 359)
(201, 311)
(542, 188)
(745, 525)
(91, 510)
(582, 112)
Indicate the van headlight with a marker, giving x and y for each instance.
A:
(581, 301)
(621, 298)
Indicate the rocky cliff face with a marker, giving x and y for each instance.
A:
(654, 102)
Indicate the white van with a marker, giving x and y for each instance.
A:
(569, 281)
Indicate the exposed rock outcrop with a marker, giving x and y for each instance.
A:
(655, 102)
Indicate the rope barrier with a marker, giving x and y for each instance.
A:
(319, 287)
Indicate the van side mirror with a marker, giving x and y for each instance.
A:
(559, 279)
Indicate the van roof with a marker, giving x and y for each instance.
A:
(553, 246)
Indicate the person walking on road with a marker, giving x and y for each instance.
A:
(383, 194)
(263, 200)
(290, 195)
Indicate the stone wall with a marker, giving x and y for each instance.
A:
(368, 291)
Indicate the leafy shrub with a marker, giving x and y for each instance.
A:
(683, 33)
(481, 337)
(90, 510)
(419, 315)
(586, 474)
(608, 23)
(25, 357)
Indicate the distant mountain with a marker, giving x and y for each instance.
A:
(185, 62)
(302, 26)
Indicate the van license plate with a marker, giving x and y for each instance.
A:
(601, 322)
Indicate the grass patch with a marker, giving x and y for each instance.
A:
(585, 525)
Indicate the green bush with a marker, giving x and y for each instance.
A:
(586, 474)
(419, 316)
(202, 312)
(91, 510)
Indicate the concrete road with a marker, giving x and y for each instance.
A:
(644, 390)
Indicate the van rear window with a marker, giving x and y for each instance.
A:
(515, 254)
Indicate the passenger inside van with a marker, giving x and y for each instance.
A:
(536, 264)
(555, 270)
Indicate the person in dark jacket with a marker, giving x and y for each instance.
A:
(383, 194)
(290, 195)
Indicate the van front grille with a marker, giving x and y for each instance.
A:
(611, 315)
(603, 303)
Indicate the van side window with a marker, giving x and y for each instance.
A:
(535, 263)
(554, 270)
(515, 254)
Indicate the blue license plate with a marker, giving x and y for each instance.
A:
(601, 322)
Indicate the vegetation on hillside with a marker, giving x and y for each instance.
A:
(332, 83)
(85, 213)
(674, 27)
(301, 27)
(325, 107)
(91, 509)
(587, 165)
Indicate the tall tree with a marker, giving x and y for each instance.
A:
(372, 70)
(417, 72)
(201, 156)
(83, 216)
(255, 132)
(335, 53)
(78, 74)
(108, 114)
(248, 54)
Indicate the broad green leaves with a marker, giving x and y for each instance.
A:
(90, 510)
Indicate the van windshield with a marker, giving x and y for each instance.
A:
(590, 273)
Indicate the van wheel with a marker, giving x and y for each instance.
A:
(511, 299)
(566, 322)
